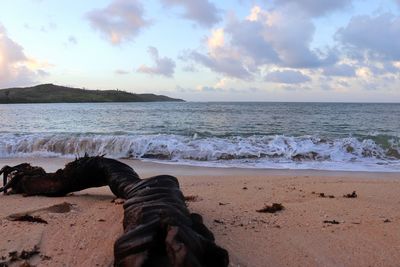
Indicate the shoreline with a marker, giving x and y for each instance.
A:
(53, 163)
(367, 233)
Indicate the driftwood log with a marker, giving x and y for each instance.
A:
(159, 230)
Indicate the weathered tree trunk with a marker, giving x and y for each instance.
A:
(159, 230)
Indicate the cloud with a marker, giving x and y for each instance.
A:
(316, 8)
(72, 40)
(220, 59)
(248, 36)
(217, 39)
(210, 89)
(382, 68)
(294, 87)
(222, 64)
(15, 68)
(51, 26)
(287, 77)
(280, 37)
(202, 12)
(163, 65)
(343, 70)
(372, 37)
(230, 90)
(189, 68)
(120, 21)
(290, 35)
(181, 89)
(121, 72)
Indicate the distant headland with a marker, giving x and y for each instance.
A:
(50, 93)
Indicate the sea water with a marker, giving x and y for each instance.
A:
(330, 136)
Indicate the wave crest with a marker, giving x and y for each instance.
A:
(271, 149)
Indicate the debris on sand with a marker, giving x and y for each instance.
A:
(23, 256)
(60, 208)
(191, 198)
(331, 221)
(325, 196)
(118, 201)
(25, 264)
(352, 195)
(33, 215)
(27, 254)
(26, 218)
(272, 209)
(13, 255)
(218, 221)
(45, 257)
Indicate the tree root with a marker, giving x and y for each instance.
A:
(159, 230)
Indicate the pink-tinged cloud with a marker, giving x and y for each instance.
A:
(202, 12)
(14, 70)
(163, 66)
(120, 21)
(279, 37)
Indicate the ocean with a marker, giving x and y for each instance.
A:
(326, 136)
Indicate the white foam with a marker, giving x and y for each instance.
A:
(305, 152)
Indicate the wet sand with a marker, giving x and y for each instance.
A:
(367, 233)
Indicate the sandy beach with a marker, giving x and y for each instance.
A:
(82, 227)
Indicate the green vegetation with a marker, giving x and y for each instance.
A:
(50, 93)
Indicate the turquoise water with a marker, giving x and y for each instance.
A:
(265, 135)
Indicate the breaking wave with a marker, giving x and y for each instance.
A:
(278, 151)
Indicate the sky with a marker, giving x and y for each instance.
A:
(207, 50)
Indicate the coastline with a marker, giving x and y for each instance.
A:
(228, 198)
